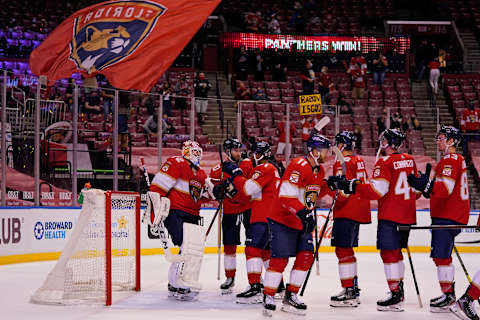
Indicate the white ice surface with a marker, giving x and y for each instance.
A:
(19, 281)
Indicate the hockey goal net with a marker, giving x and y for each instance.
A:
(102, 254)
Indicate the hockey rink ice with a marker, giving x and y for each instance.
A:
(19, 281)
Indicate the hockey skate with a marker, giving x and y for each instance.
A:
(292, 304)
(464, 308)
(393, 302)
(186, 295)
(227, 286)
(280, 291)
(443, 303)
(252, 295)
(349, 297)
(172, 291)
(268, 305)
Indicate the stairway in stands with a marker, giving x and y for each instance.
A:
(472, 49)
(428, 115)
(212, 126)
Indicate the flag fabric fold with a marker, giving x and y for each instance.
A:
(132, 43)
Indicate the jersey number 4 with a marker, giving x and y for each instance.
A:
(402, 187)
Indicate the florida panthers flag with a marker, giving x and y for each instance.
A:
(132, 43)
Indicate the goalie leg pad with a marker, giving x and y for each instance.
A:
(192, 256)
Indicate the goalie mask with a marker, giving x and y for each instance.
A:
(317, 142)
(229, 144)
(192, 151)
(450, 133)
(347, 138)
(394, 138)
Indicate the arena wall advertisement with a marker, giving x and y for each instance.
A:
(36, 234)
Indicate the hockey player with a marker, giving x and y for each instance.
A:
(396, 206)
(181, 180)
(291, 222)
(464, 307)
(236, 210)
(261, 188)
(349, 212)
(449, 204)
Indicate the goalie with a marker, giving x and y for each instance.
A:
(174, 203)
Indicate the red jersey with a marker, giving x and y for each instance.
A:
(282, 133)
(239, 203)
(352, 206)
(434, 65)
(261, 188)
(389, 185)
(357, 76)
(177, 181)
(449, 198)
(471, 120)
(325, 80)
(300, 188)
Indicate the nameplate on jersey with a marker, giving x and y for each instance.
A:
(447, 171)
(195, 189)
(311, 195)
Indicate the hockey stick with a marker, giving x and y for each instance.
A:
(322, 123)
(438, 227)
(461, 263)
(319, 242)
(220, 213)
(317, 262)
(414, 278)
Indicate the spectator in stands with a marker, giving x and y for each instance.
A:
(395, 121)
(405, 125)
(68, 98)
(415, 123)
(182, 90)
(253, 21)
(279, 67)
(259, 69)
(283, 136)
(260, 95)
(358, 79)
(381, 123)
(166, 92)
(345, 107)
(242, 92)
(107, 93)
(93, 103)
(357, 131)
(470, 123)
(324, 84)
(148, 101)
(242, 64)
(201, 86)
(379, 68)
(151, 125)
(274, 25)
(434, 67)
(308, 78)
(421, 59)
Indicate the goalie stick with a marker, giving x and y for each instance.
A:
(340, 158)
(322, 123)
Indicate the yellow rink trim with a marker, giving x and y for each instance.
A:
(33, 257)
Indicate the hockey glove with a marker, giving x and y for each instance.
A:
(332, 182)
(348, 186)
(219, 192)
(230, 190)
(422, 183)
(231, 169)
(308, 220)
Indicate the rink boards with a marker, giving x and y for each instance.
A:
(36, 234)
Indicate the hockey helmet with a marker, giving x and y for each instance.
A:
(229, 144)
(347, 138)
(450, 132)
(192, 151)
(318, 142)
(394, 137)
(262, 148)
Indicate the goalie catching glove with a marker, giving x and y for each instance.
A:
(422, 183)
